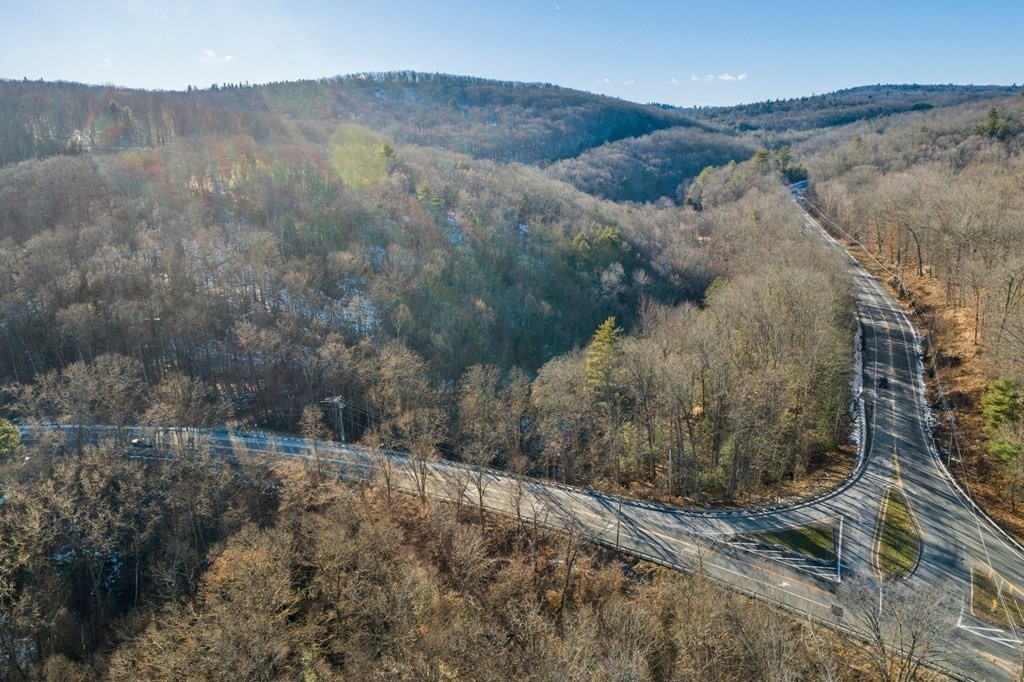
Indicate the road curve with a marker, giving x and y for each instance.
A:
(898, 450)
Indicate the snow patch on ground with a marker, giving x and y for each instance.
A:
(64, 555)
(933, 421)
(857, 390)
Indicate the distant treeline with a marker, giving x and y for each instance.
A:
(485, 119)
(847, 106)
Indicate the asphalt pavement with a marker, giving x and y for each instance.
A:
(898, 451)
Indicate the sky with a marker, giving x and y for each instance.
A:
(684, 53)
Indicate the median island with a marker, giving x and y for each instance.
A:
(816, 541)
(898, 543)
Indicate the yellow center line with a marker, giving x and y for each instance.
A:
(876, 541)
(1001, 663)
(1013, 588)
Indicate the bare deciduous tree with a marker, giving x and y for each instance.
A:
(904, 628)
(314, 430)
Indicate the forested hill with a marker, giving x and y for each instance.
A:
(651, 167)
(846, 106)
(255, 229)
(276, 241)
(605, 146)
(485, 119)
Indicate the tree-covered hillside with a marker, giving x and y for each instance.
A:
(289, 243)
(484, 119)
(936, 198)
(838, 108)
(652, 167)
(196, 569)
(284, 244)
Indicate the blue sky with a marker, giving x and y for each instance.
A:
(683, 53)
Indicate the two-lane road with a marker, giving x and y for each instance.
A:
(897, 450)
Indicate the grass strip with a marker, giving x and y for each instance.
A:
(817, 542)
(899, 545)
(998, 607)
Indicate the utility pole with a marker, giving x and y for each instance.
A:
(668, 472)
(337, 402)
(618, 522)
(952, 438)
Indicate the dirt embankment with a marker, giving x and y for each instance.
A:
(955, 382)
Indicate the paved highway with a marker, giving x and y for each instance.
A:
(897, 450)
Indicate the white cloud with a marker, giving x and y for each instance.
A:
(210, 56)
(673, 81)
(603, 81)
(629, 82)
(558, 8)
(709, 78)
(107, 61)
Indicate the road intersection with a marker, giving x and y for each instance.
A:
(896, 450)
